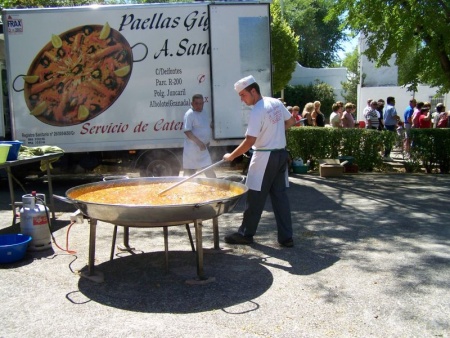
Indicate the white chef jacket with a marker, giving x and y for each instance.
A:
(266, 123)
(199, 124)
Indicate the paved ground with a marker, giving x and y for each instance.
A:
(371, 258)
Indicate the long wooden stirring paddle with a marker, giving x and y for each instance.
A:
(192, 176)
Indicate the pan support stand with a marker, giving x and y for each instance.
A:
(126, 240)
(216, 248)
(201, 278)
(97, 276)
(91, 273)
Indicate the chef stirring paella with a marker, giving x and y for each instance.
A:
(148, 194)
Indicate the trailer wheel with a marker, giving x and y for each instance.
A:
(158, 163)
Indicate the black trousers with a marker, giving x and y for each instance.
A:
(273, 185)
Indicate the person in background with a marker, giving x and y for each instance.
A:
(353, 112)
(267, 174)
(367, 108)
(371, 116)
(307, 114)
(197, 129)
(443, 116)
(317, 116)
(390, 123)
(335, 117)
(425, 116)
(435, 115)
(380, 109)
(409, 111)
(296, 115)
(416, 115)
(347, 119)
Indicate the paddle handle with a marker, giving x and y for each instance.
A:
(192, 176)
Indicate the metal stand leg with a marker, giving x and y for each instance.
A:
(188, 229)
(11, 193)
(50, 191)
(92, 235)
(166, 247)
(201, 279)
(216, 233)
(126, 237)
(126, 240)
(198, 240)
(216, 248)
(113, 245)
(91, 274)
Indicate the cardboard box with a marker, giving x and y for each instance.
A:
(330, 168)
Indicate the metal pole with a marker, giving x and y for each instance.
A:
(50, 190)
(198, 239)
(92, 235)
(215, 221)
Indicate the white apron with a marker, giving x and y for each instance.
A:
(193, 158)
(257, 168)
(199, 124)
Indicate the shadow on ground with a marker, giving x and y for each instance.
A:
(140, 283)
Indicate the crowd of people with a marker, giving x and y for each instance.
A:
(378, 115)
(416, 115)
(310, 116)
(342, 116)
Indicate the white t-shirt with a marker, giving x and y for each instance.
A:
(335, 120)
(266, 123)
(199, 124)
(435, 118)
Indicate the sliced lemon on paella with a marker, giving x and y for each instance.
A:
(39, 109)
(83, 112)
(30, 78)
(121, 72)
(105, 31)
(56, 41)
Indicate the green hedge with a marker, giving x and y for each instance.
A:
(431, 147)
(314, 143)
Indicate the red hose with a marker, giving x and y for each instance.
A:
(67, 240)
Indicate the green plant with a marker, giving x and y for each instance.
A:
(432, 148)
(302, 94)
(313, 143)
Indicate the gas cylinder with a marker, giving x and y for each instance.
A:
(34, 221)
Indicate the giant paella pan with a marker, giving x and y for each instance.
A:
(136, 202)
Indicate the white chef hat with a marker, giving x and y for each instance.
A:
(244, 83)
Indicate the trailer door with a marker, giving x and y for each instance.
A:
(240, 46)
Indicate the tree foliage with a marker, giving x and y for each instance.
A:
(300, 95)
(284, 49)
(415, 30)
(319, 39)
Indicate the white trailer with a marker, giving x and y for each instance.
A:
(157, 56)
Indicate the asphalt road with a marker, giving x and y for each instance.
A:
(371, 258)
